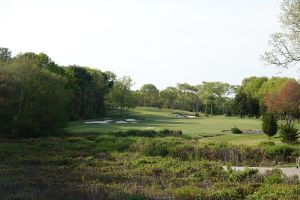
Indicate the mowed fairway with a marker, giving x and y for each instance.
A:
(205, 129)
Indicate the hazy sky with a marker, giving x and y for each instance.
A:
(155, 41)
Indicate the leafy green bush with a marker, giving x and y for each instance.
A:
(279, 152)
(240, 176)
(267, 143)
(168, 132)
(274, 177)
(159, 147)
(236, 130)
(137, 133)
(148, 133)
(183, 152)
(288, 133)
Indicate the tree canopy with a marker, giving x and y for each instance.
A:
(285, 45)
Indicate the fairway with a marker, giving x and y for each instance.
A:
(205, 129)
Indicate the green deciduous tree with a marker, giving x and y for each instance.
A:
(149, 96)
(169, 97)
(121, 95)
(36, 98)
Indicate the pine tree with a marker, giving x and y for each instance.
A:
(269, 125)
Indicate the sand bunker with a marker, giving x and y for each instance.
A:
(130, 120)
(99, 122)
(185, 116)
(121, 122)
(125, 121)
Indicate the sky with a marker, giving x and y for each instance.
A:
(163, 42)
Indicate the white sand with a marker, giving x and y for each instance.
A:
(121, 122)
(130, 120)
(99, 122)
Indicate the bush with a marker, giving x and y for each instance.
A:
(236, 130)
(267, 143)
(274, 177)
(269, 124)
(240, 176)
(168, 132)
(158, 147)
(148, 133)
(279, 153)
(288, 133)
(138, 133)
(183, 152)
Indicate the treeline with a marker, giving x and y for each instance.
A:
(258, 95)
(209, 97)
(254, 97)
(37, 96)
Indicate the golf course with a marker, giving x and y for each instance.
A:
(149, 100)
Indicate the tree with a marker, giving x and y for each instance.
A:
(149, 95)
(169, 97)
(36, 98)
(121, 95)
(89, 88)
(5, 54)
(286, 101)
(288, 133)
(214, 95)
(286, 45)
(269, 125)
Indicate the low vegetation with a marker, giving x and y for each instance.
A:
(110, 166)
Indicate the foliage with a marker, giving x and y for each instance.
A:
(288, 133)
(236, 130)
(286, 100)
(269, 125)
(245, 105)
(91, 166)
(285, 45)
(38, 97)
(149, 96)
(89, 87)
(121, 96)
(243, 175)
(31, 106)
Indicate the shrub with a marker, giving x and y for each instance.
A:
(288, 133)
(243, 175)
(236, 130)
(160, 147)
(267, 143)
(156, 149)
(138, 133)
(183, 152)
(148, 133)
(274, 177)
(168, 132)
(282, 152)
(269, 124)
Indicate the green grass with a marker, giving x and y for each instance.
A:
(207, 129)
